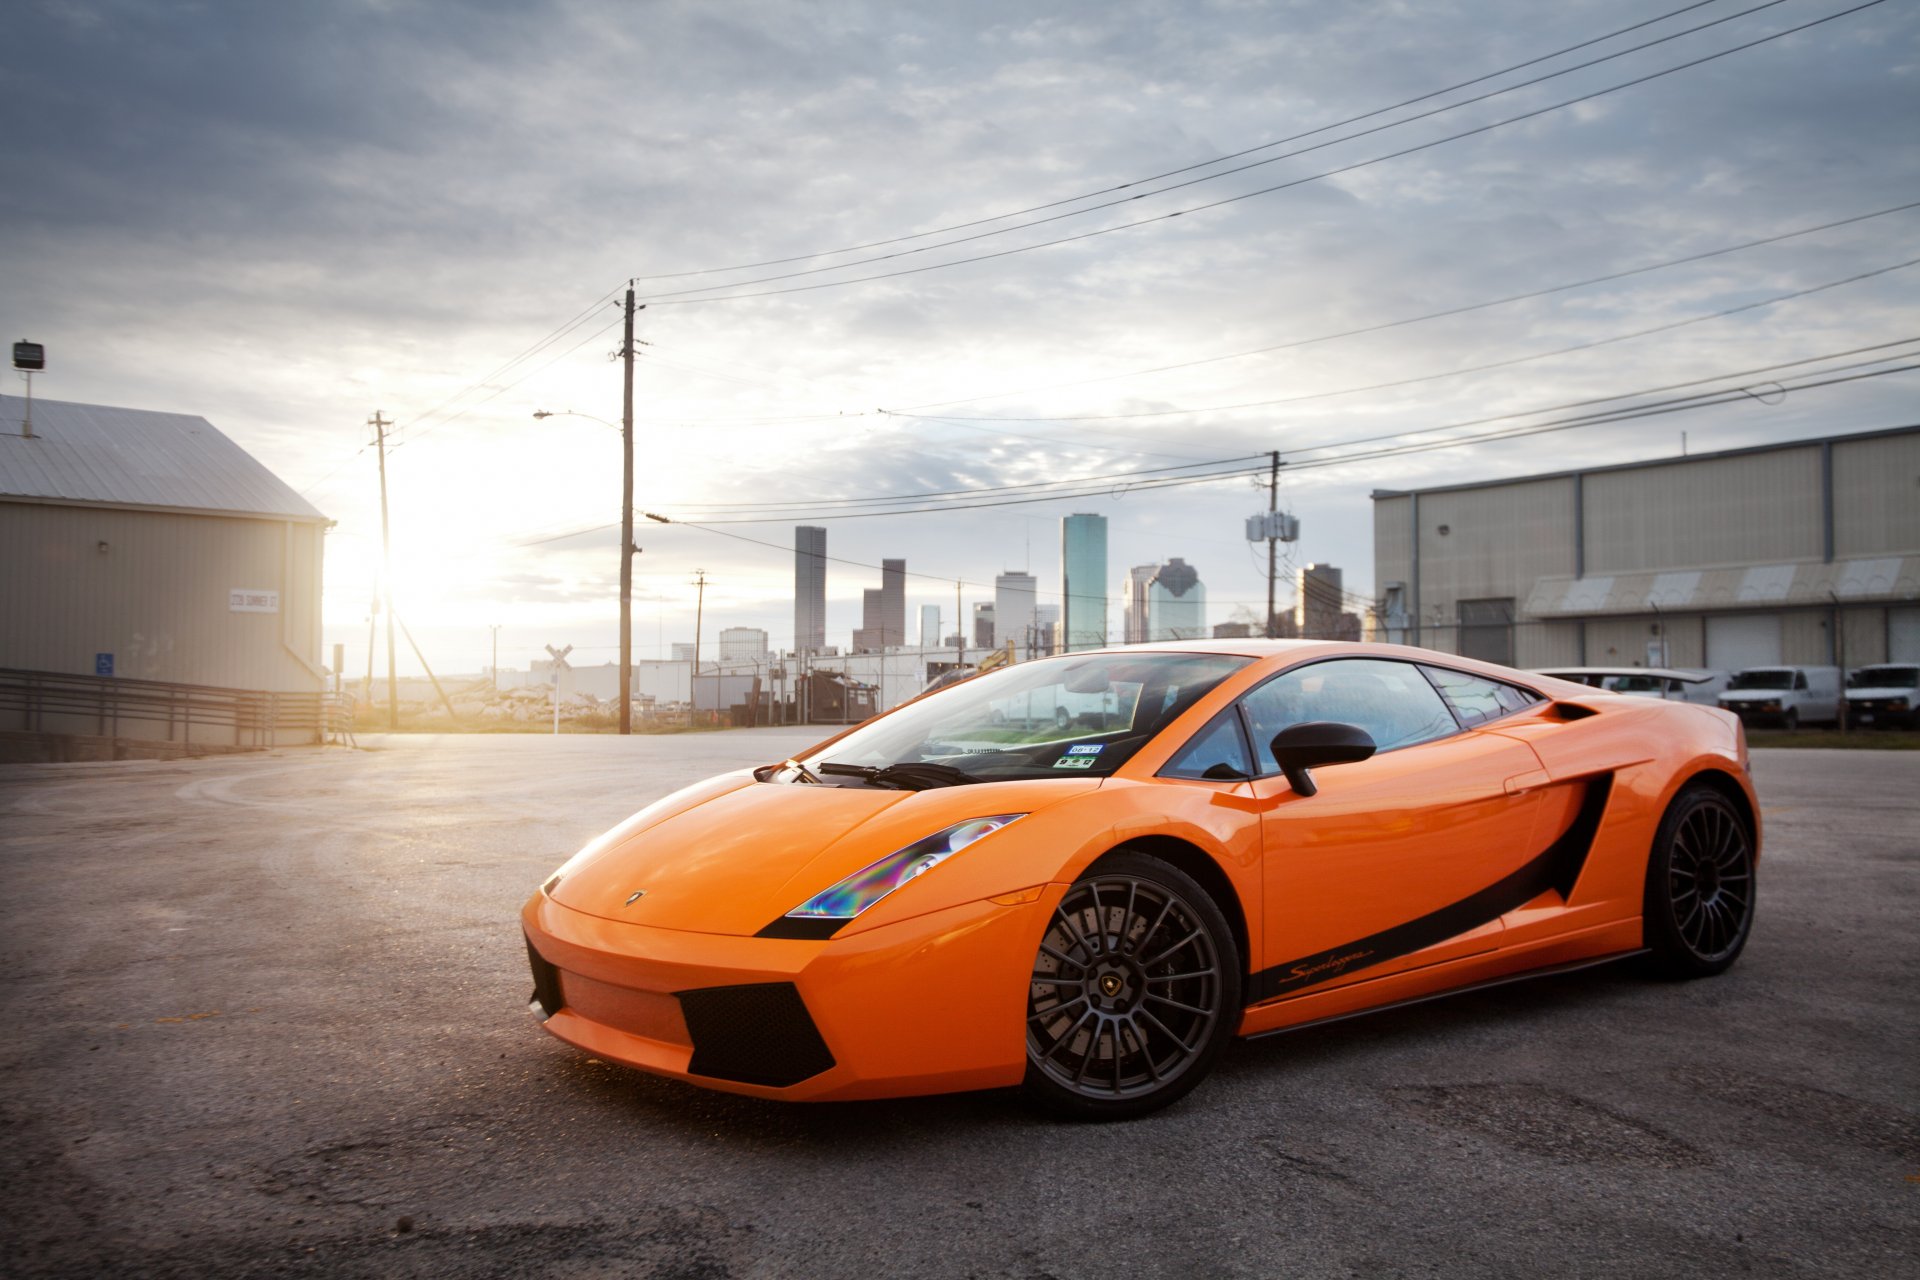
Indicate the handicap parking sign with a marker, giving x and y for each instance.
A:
(103, 664)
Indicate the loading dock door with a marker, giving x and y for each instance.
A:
(1903, 635)
(1745, 640)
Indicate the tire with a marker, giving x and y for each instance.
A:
(1791, 720)
(1135, 992)
(1698, 909)
(1062, 718)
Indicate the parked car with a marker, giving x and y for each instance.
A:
(1263, 835)
(1675, 684)
(1885, 695)
(1786, 696)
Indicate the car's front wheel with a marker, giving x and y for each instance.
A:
(1135, 991)
(1699, 901)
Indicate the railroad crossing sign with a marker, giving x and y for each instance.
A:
(559, 665)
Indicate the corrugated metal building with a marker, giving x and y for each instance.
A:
(1806, 552)
(149, 547)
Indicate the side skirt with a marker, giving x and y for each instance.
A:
(1552, 970)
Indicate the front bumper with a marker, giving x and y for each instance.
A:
(933, 1004)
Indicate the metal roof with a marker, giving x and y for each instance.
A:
(90, 453)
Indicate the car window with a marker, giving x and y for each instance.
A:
(1392, 701)
(1218, 753)
(1080, 715)
(1476, 699)
(1799, 679)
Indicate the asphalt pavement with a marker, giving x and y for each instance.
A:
(266, 1015)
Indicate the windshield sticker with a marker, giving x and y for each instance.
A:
(1085, 749)
(1075, 762)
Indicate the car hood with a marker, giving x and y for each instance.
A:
(738, 858)
(1758, 695)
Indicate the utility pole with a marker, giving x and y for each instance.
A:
(380, 424)
(495, 628)
(1273, 505)
(627, 548)
(699, 609)
(959, 630)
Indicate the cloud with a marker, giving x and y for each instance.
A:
(287, 217)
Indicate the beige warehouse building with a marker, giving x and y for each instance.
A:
(160, 583)
(1806, 552)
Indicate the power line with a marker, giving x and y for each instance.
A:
(552, 337)
(1074, 489)
(1630, 395)
(1213, 177)
(677, 298)
(1170, 173)
(1431, 315)
(944, 493)
(1449, 373)
(1625, 413)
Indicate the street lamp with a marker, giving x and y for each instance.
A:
(628, 550)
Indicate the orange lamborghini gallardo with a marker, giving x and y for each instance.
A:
(1086, 874)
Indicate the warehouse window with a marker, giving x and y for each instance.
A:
(1486, 630)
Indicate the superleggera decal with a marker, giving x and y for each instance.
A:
(1558, 868)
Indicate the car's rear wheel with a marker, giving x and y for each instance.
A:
(1135, 991)
(1700, 886)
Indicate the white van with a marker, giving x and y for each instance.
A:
(1884, 695)
(1787, 696)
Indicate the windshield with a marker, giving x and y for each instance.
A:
(1075, 716)
(1884, 677)
(1761, 680)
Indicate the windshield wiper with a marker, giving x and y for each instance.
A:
(912, 776)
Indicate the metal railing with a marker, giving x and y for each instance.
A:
(112, 706)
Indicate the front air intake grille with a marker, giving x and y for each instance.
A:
(546, 983)
(756, 1034)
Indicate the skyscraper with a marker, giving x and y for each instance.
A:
(1133, 605)
(893, 601)
(1320, 612)
(929, 626)
(983, 630)
(883, 610)
(1083, 581)
(1013, 593)
(1176, 603)
(809, 589)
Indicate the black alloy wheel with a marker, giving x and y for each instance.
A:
(1700, 886)
(1135, 991)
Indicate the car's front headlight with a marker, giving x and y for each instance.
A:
(870, 884)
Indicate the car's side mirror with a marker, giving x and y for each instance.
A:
(1301, 747)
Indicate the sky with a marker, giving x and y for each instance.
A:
(288, 218)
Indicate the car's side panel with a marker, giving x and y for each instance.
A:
(1390, 864)
(1617, 939)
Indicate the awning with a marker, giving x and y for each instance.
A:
(1884, 580)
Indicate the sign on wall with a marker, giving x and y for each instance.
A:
(103, 664)
(248, 600)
